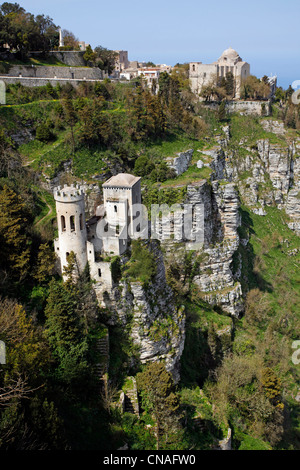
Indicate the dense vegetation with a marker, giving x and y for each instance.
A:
(49, 395)
(24, 32)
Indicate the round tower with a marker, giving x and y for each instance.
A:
(72, 234)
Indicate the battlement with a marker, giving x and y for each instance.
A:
(72, 193)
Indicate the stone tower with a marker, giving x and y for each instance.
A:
(72, 233)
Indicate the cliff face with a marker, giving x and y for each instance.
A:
(221, 221)
(269, 173)
(216, 277)
(266, 173)
(157, 323)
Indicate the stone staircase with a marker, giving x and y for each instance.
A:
(198, 423)
(130, 403)
(101, 367)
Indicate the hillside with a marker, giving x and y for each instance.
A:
(216, 324)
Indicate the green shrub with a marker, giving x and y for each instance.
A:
(251, 443)
(141, 266)
(43, 133)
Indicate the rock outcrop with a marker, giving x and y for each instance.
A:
(221, 222)
(157, 324)
(180, 163)
(273, 178)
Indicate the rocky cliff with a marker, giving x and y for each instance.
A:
(259, 174)
(157, 324)
(269, 173)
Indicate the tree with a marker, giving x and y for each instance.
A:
(222, 111)
(26, 350)
(70, 117)
(45, 263)
(106, 59)
(90, 55)
(143, 166)
(63, 325)
(70, 41)
(248, 395)
(157, 391)
(43, 133)
(15, 251)
(255, 89)
(48, 33)
(96, 127)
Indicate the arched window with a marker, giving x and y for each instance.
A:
(72, 223)
(63, 223)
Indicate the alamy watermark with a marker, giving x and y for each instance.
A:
(296, 94)
(296, 354)
(2, 353)
(2, 92)
(178, 222)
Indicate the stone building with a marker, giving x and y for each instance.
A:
(202, 75)
(121, 62)
(105, 234)
(151, 76)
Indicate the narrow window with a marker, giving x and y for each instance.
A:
(193, 68)
(99, 272)
(63, 223)
(72, 223)
(67, 255)
(81, 222)
(115, 209)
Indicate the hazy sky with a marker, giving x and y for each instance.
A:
(264, 32)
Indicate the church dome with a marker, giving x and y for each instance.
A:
(230, 55)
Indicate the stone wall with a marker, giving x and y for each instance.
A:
(54, 72)
(245, 107)
(72, 58)
(35, 82)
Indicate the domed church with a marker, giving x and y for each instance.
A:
(202, 75)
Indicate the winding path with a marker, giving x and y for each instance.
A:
(48, 213)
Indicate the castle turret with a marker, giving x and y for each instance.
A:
(72, 233)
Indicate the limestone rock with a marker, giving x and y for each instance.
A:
(158, 325)
(276, 127)
(180, 163)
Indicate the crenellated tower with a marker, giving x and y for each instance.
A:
(72, 233)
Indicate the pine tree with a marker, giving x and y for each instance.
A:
(45, 263)
(70, 117)
(15, 252)
(157, 391)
